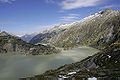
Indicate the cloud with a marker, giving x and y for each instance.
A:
(6, 1)
(74, 4)
(70, 18)
(109, 6)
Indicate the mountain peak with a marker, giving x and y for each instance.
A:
(3, 33)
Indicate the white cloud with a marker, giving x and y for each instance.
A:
(73, 4)
(6, 1)
(70, 18)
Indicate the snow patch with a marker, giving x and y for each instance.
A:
(71, 73)
(93, 78)
(109, 56)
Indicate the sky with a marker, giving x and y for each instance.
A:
(28, 16)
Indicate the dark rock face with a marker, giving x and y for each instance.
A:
(11, 44)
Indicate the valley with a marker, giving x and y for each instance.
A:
(86, 48)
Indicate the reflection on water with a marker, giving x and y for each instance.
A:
(13, 67)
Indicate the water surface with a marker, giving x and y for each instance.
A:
(13, 67)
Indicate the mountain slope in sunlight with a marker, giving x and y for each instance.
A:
(96, 30)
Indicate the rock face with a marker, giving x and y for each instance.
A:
(12, 44)
(96, 30)
(104, 65)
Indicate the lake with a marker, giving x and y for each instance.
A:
(13, 67)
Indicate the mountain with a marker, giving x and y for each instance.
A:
(27, 37)
(104, 65)
(102, 31)
(3, 33)
(96, 30)
(12, 44)
(46, 36)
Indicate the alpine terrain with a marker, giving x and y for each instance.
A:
(102, 31)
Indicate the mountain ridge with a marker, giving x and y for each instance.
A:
(93, 30)
(13, 44)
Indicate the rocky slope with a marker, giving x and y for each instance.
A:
(96, 30)
(12, 44)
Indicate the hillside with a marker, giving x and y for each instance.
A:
(96, 30)
(12, 44)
